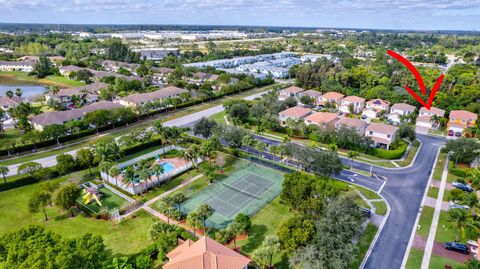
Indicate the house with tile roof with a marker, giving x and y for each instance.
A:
(324, 120)
(206, 253)
(295, 113)
(424, 120)
(88, 94)
(398, 111)
(140, 99)
(459, 120)
(6, 103)
(374, 108)
(314, 95)
(22, 66)
(61, 117)
(292, 91)
(332, 98)
(359, 125)
(383, 135)
(354, 102)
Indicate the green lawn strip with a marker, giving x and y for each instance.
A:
(219, 118)
(367, 193)
(264, 223)
(447, 197)
(124, 130)
(444, 232)
(361, 203)
(432, 192)
(364, 243)
(425, 221)
(381, 208)
(437, 172)
(410, 155)
(437, 262)
(414, 259)
(126, 237)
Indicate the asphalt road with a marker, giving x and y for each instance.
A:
(184, 121)
(403, 188)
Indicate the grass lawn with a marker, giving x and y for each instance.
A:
(361, 203)
(432, 192)
(447, 197)
(440, 262)
(266, 222)
(126, 237)
(437, 172)
(381, 208)
(414, 259)
(219, 117)
(425, 221)
(108, 199)
(364, 243)
(367, 193)
(410, 155)
(24, 78)
(10, 135)
(445, 233)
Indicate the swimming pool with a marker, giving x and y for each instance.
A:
(167, 167)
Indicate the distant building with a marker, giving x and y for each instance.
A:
(61, 117)
(140, 99)
(21, 66)
(157, 54)
(382, 134)
(206, 253)
(295, 113)
(459, 120)
(88, 94)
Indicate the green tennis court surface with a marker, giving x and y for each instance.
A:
(246, 190)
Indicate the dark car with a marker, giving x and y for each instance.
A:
(366, 212)
(457, 247)
(451, 133)
(458, 134)
(462, 186)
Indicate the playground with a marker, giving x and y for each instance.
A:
(246, 190)
(97, 199)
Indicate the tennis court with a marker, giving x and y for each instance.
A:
(246, 190)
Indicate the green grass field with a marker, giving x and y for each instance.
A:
(24, 78)
(410, 155)
(432, 192)
(367, 193)
(108, 199)
(425, 221)
(437, 172)
(414, 259)
(381, 208)
(219, 118)
(364, 244)
(124, 238)
(440, 262)
(444, 232)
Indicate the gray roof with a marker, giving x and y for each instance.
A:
(93, 88)
(139, 98)
(16, 63)
(60, 117)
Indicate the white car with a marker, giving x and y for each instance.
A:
(453, 205)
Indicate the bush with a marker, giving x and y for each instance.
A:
(22, 181)
(457, 172)
(391, 154)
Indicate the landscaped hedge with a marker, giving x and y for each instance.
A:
(391, 154)
(23, 181)
(457, 172)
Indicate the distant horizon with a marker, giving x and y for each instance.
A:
(414, 15)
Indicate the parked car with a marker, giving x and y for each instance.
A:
(451, 133)
(457, 247)
(366, 212)
(453, 205)
(458, 134)
(364, 117)
(462, 186)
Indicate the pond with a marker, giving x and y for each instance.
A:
(29, 91)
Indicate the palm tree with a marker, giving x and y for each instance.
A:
(472, 201)
(435, 119)
(4, 170)
(114, 171)
(128, 176)
(144, 176)
(157, 171)
(459, 220)
(352, 155)
(104, 166)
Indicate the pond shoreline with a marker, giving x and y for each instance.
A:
(23, 79)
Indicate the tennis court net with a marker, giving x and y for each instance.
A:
(241, 191)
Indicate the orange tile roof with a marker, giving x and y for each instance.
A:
(463, 115)
(424, 119)
(296, 112)
(293, 89)
(322, 117)
(206, 253)
(353, 99)
(332, 95)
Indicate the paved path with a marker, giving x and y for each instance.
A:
(184, 121)
(375, 219)
(432, 202)
(436, 215)
(438, 250)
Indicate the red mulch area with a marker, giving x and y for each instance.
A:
(419, 243)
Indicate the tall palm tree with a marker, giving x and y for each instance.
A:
(459, 220)
(144, 176)
(435, 119)
(128, 176)
(4, 170)
(473, 202)
(114, 171)
(104, 166)
(157, 171)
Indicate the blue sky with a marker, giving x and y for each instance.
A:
(398, 14)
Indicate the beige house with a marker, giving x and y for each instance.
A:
(353, 123)
(140, 99)
(295, 113)
(324, 120)
(398, 111)
(382, 134)
(292, 91)
(378, 104)
(334, 98)
(424, 120)
(88, 94)
(7, 103)
(357, 103)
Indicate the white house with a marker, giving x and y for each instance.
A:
(353, 123)
(382, 134)
(398, 111)
(424, 120)
(22, 66)
(355, 102)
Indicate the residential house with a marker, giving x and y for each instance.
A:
(97, 75)
(314, 95)
(424, 120)
(160, 74)
(157, 54)
(87, 94)
(206, 253)
(292, 91)
(140, 99)
(21, 66)
(333, 98)
(459, 120)
(375, 107)
(61, 117)
(383, 135)
(356, 103)
(6, 103)
(399, 111)
(295, 113)
(199, 78)
(114, 66)
(353, 123)
(324, 120)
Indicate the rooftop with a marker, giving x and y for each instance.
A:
(351, 123)
(139, 98)
(293, 89)
(463, 114)
(322, 117)
(296, 112)
(433, 110)
(382, 128)
(332, 95)
(353, 99)
(378, 102)
(403, 106)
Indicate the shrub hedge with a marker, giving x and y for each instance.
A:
(391, 154)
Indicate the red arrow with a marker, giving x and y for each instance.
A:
(420, 82)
